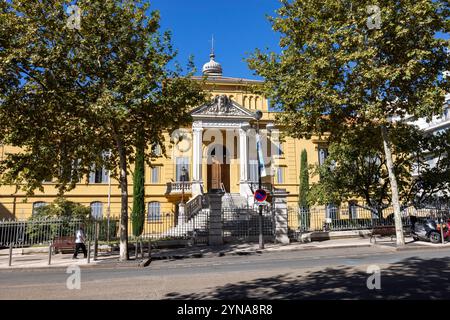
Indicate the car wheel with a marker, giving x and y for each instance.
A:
(415, 238)
(435, 237)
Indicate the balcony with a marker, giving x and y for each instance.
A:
(176, 188)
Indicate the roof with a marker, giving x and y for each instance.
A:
(230, 80)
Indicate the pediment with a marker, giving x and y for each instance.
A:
(222, 106)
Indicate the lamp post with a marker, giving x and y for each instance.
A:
(258, 116)
(109, 200)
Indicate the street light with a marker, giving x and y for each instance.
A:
(183, 178)
(181, 206)
(258, 116)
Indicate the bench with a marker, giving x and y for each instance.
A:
(386, 231)
(66, 244)
(382, 231)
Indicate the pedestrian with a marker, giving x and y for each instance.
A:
(80, 238)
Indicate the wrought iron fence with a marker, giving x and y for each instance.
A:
(41, 231)
(351, 218)
(242, 224)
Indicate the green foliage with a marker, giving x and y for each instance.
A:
(333, 70)
(68, 96)
(138, 213)
(356, 166)
(62, 208)
(60, 218)
(433, 183)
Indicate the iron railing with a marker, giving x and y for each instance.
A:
(242, 224)
(41, 231)
(351, 218)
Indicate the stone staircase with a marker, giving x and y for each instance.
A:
(233, 201)
(198, 223)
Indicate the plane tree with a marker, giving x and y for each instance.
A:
(347, 62)
(77, 87)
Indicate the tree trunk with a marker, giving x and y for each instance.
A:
(394, 187)
(138, 213)
(124, 202)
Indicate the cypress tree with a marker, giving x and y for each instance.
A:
(304, 180)
(303, 191)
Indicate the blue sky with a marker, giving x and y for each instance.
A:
(238, 26)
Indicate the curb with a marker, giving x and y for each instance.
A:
(251, 252)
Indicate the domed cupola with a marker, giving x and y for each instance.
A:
(212, 68)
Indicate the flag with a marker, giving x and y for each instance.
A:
(260, 156)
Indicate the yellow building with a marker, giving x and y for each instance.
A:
(219, 148)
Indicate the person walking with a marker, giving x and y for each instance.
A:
(80, 238)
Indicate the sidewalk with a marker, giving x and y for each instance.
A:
(40, 260)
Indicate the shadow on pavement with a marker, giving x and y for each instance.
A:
(412, 278)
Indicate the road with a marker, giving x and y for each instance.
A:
(308, 274)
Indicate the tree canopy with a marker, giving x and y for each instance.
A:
(346, 62)
(72, 95)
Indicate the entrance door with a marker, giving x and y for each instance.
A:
(218, 172)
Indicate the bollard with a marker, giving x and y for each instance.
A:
(136, 253)
(49, 253)
(10, 254)
(149, 248)
(96, 241)
(89, 252)
(142, 249)
(442, 229)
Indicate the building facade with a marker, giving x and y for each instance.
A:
(217, 151)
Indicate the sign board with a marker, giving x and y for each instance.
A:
(260, 195)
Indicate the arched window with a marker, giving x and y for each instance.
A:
(250, 102)
(97, 210)
(38, 204)
(244, 101)
(154, 211)
(256, 102)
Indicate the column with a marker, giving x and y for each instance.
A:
(197, 159)
(281, 216)
(244, 187)
(243, 154)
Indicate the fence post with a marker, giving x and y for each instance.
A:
(10, 254)
(215, 236)
(149, 248)
(96, 240)
(142, 248)
(281, 216)
(89, 252)
(136, 248)
(49, 253)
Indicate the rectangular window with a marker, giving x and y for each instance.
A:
(154, 211)
(280, 175)
(253, 170)
(99, 175)
(155, 174)
(279, 148)
(182, 162)
(323, 154)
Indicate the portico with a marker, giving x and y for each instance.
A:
(221, 135)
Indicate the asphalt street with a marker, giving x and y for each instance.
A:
(309, 274)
